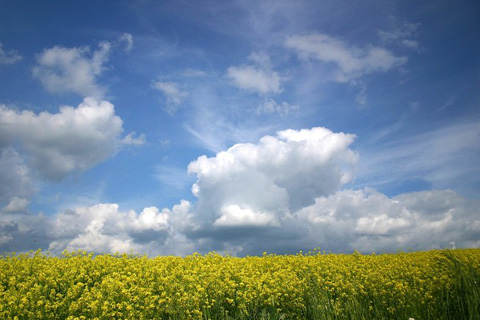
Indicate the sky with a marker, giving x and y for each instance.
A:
(173, 127)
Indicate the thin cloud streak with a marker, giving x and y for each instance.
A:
(439, 156)
(351, 63)
(9, 56)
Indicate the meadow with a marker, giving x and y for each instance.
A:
(439, 284)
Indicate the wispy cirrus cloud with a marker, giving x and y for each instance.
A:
(351, 63)
(127, 40)
(270, 106)
(173, 94)
(9, 56)
(445, 156)
(405, 35)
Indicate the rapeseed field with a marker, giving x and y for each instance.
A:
(440, 284)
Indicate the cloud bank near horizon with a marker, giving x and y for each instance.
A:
(283, 194)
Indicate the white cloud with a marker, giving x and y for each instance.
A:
(273, 178)
(261, 59)
(131, 140)
(149, 218)
(446, 156)
(215, 133)
(193, 73)
(127, 38)
(282, 194)
(8, 57)
(215, 123)
(15, 205)
(286, 191)
(15, 178)
(173, 177)
(343, 218)
(74, 139)
(272, 107)
(84, 229)
(236, 216)
(173, 94)
(410, 43)
(72, 69)
(404, 35)
(350, 62)
(369, 221)
(104, 228)
(380, 225)
(21, 231)
(361, 97)
(255, 79)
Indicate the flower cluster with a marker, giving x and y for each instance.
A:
(81, 285)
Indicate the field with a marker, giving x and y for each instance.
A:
(441, 284)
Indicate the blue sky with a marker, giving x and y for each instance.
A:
(169, 127)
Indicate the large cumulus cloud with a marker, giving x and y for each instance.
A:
(106, 229)
(14, 175)
(283, 194)
(103, 228)
(74, 139)
(368, 220)
(261, 184)
(51, 146)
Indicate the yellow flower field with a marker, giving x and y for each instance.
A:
(441, 284)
